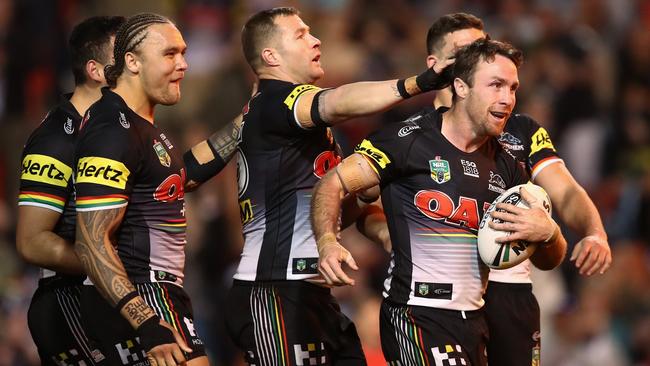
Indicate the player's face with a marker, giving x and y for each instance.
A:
(299, 50)
(491, 99)
(162, 55)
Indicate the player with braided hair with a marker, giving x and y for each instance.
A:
(130, 208)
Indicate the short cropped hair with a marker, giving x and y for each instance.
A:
(258, 30)
(91, 40)
(468, 57)
(448, 24)
(127, 39)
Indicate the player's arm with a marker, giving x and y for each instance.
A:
(37, 243)
(94, 246)
(534, 225)
(354, 174)
(329, 107)
(372, 224)
(592, 253)
(207, 158)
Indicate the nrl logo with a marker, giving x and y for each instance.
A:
(68, 127)
(440, 172)
(423, 289)
(301, 265)
(123, 121)
(163, 156)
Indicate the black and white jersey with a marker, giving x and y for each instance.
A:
(279, 162)
(532, 146)
(434, 196)
(47, 161)
(124, 160)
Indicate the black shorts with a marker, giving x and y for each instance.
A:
(54, 321)
(116, 336)
(512, 314)
(418, 335)
(290, 323)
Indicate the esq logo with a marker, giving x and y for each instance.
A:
(438, 205)
(106, 172)
(45, 169)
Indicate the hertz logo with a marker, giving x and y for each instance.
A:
(45, 169)
(540, 140)
(366, 148)
(296, 92)
(106, 172)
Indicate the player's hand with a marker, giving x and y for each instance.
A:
(436, 77)
(592, 254)
(168, 354)
(330, 256)
(533, 225)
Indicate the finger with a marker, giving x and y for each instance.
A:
(527, 197)
(588, 262)
(328, 273)
(335, 271)
(504, 239)
(608, 263)
(505, 216)
(152, 361)
(178, 355)
(323, 274)
(575, 252)
(169, 359)
(179, 340)
(594, 261)
(510, 208)
(351, 262)
(584, 253)
(343, 277)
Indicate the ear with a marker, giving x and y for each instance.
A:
(461, 88)
(431, 60)
(270, 57)
(95, 71)
(131, 62)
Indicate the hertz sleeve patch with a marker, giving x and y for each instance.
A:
(290, 100)
(540, 140)
(378, 156)
(103, 171)
(45, 169)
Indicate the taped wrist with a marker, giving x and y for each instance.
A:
(401, 89)
(123, 301)
(315, 112)
(153, 334)
(429, 80)
(202, 172)
(326, 240)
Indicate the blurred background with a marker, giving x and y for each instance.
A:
(586, 78)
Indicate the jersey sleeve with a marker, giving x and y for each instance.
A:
(386, 151)
(541, 151)
(45, 178)
(281, 108)
(106, 161)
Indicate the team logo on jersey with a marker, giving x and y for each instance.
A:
(290, 100)
(540, 140)
(432, 290)
(102, 171)
(407, 130)
(45, 169)
(510, 142)
(163, 156)
(305, 266)
(68, 126)
(378, 156)
(469, 168)
(423, 289)
(496, 179)
(123, 121)
(440, 172)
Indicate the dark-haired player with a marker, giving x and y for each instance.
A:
(46, 213)
(130, 208)
(277, 313)
(431, 313)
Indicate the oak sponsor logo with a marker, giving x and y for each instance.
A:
(102, 171)
(378, 156)
(45, 169)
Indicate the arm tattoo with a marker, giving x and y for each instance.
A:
(225, 141)
(97, 254)
(138, 311)
(396, 91)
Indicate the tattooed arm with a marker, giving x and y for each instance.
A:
(94, 247)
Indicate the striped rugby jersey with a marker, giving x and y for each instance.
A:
(123, 160)
(278, 163)
(434, 196)
(532, 146)
(47, 161)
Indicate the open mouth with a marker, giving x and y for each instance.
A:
(316, 59)
(499, 115)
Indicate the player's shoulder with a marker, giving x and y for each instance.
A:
(409, 128)
(519, 126)
(282, 93)
(109, 115)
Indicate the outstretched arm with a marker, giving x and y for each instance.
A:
(592, 253)
(94, 246)
(39, 245)
(352, 175)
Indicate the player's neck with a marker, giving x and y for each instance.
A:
(443, 98)
(459, 130)
(135, 98)
(84, 96)
(276, 73)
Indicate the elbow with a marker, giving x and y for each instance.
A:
(25, 249)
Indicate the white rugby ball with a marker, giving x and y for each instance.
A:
(505, 255)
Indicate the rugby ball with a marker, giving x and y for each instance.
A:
(505, 255)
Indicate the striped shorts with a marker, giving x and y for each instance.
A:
(54, 320)
(284, 323)
(118, 339)
(424, 336)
